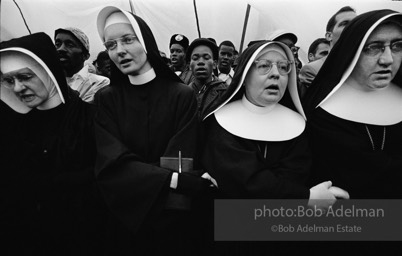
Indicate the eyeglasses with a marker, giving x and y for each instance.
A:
(264, 66)
(376, 48)
(112, 44)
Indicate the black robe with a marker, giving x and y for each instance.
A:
(48, 185)
(135, 126)
(342, 151)
(49, 200)
(346, 156)
(241, 170)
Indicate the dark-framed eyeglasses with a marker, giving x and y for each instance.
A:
(376, 48)
(112, 44)
(264, 66)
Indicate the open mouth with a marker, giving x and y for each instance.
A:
(273, 87)
(383, 72)
(27, 97)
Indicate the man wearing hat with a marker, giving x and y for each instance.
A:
(178, 47)
(202, 54)
(72, 46)
(290, 40)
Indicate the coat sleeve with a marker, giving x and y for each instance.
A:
(307, 75)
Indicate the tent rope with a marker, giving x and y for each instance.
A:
(26, 25)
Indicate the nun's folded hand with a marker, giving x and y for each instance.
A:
(320, 196)
(190, 184)
(339, 193)
(209, 177)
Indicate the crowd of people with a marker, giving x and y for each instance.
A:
(127, 158)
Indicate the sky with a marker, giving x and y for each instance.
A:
(220, 19)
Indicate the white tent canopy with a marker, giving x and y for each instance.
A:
(220, 19)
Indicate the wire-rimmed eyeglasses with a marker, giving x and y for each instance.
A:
(112, 44)
(264, 66)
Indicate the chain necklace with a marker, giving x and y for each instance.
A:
(371, 138)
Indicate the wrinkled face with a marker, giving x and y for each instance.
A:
(71, 54)
(377, 71)
(177, 55)
(322, 51)
(202, 63)
(342, 19)
(225, 58)
(268, 89)
(27, 86)
(128, 56)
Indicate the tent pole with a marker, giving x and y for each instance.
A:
(132, 7)
(244, 28)
(196, 18)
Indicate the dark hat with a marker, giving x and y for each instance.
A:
(179, 39)
(281, 33)
(202, 41)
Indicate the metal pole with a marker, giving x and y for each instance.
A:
(244, 28)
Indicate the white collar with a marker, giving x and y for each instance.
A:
(231, 73)
(82, 73)
(378, 107)
(246, 120)
(143, 78)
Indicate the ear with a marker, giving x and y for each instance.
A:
(86, 56)
(310, 57)
(214, 65)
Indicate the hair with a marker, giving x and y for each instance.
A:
(313, 47)
(396, 20)
(103, 55)
(212, 39)
(226, 43)
(332, 21)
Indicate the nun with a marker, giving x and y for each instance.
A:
(48, 192)
(256, 144)
(146, 113)
(355, 110)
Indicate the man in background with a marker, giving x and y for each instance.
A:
(178, 47)
(72, 46)
(202, 55)
(226, 52)
(318, 49)
(334, 28)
